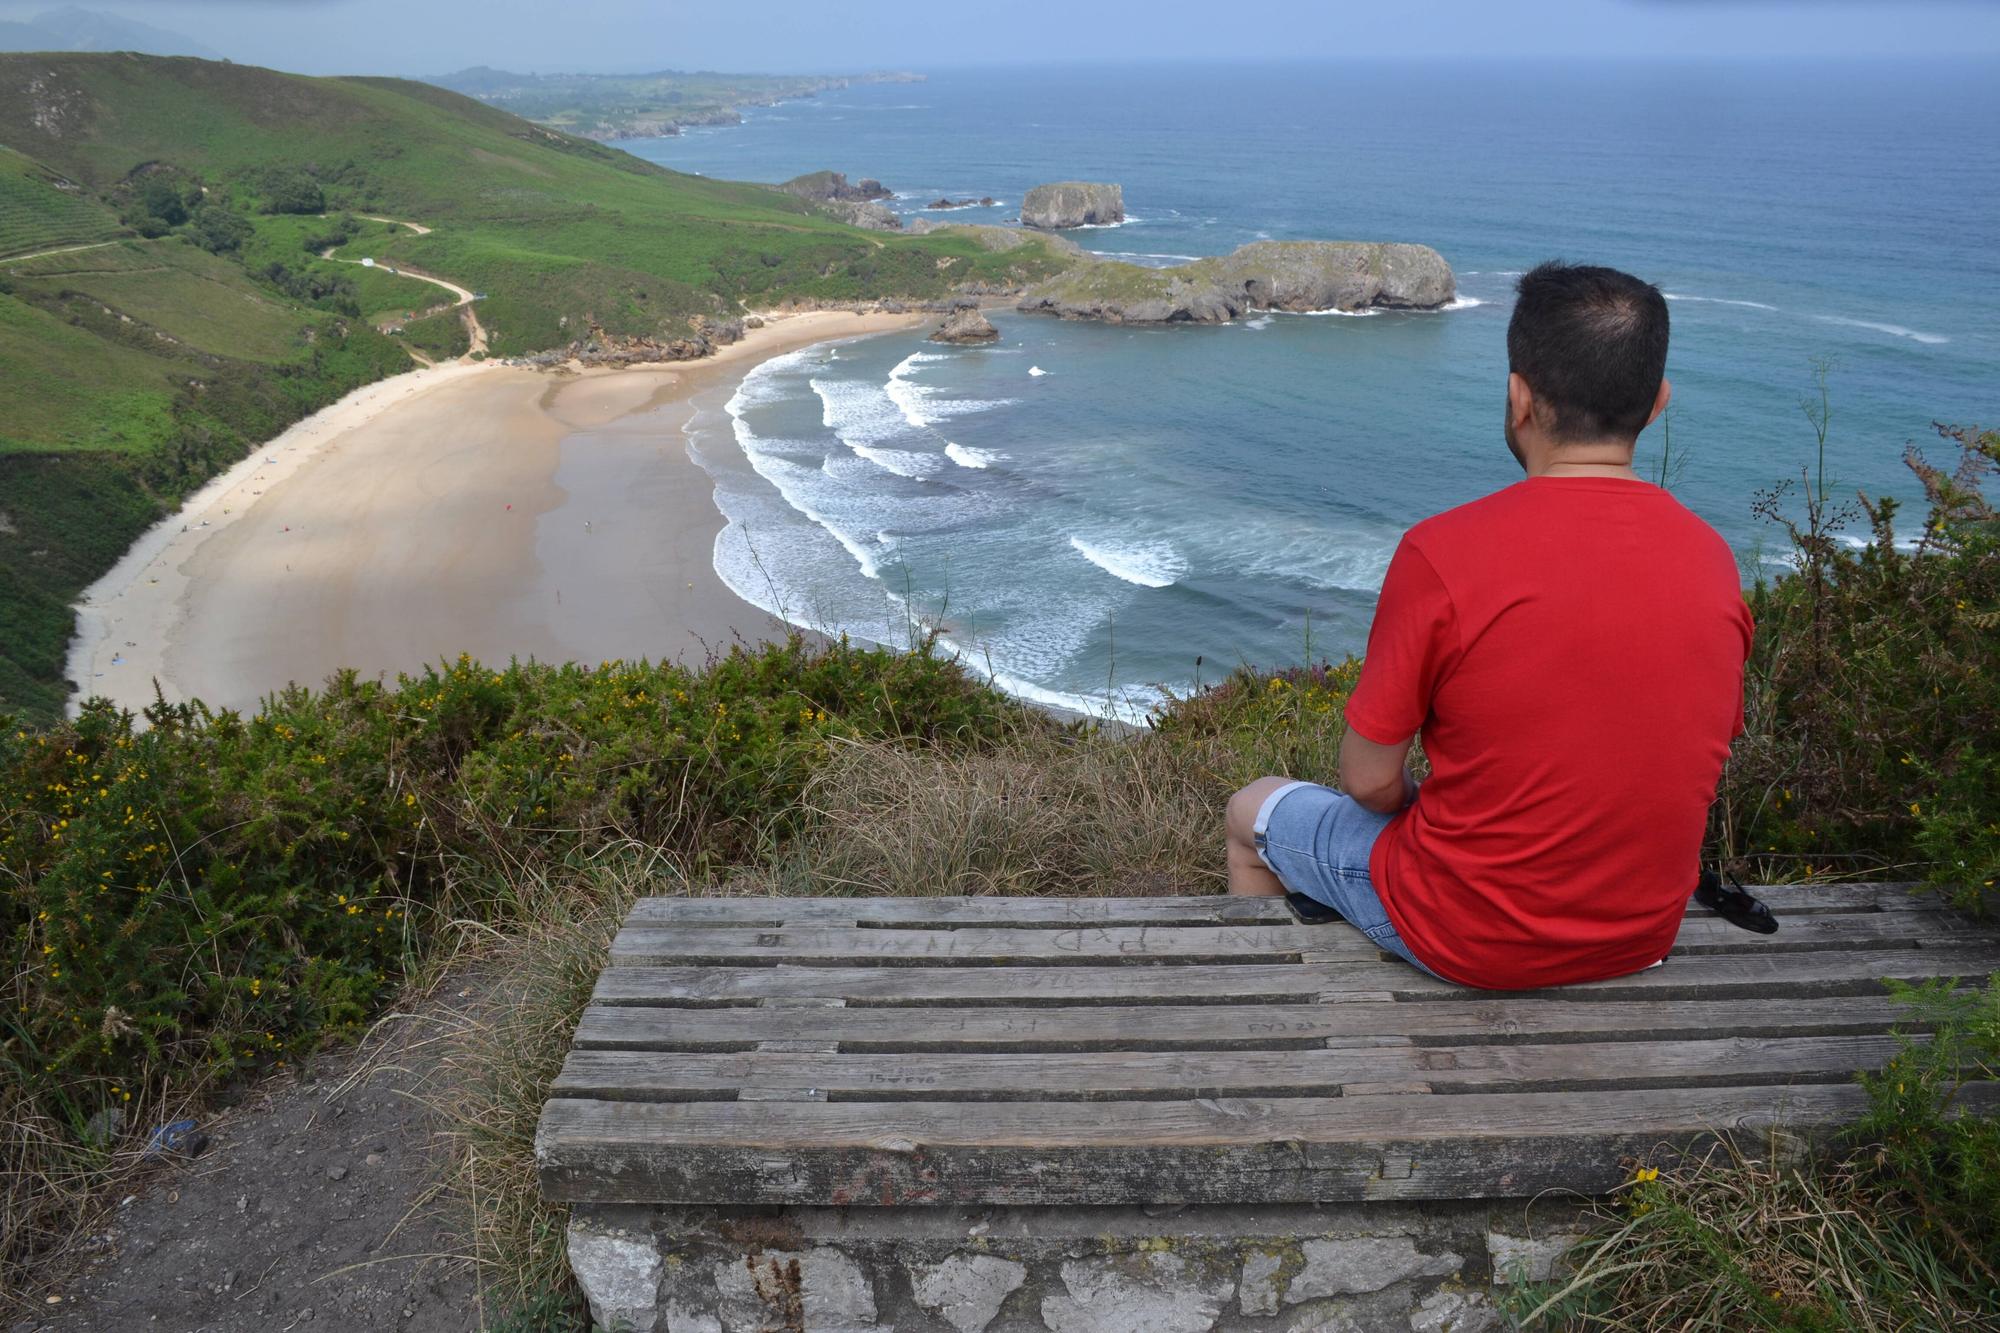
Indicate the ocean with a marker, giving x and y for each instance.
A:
(1099, 515)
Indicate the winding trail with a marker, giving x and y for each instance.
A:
(59, 250)
(475, 331)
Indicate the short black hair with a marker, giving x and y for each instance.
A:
(1592, 343)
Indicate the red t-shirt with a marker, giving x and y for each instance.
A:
(1572, 649)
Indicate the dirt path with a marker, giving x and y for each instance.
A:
(59, 250)
(417, 227)
(311, 1210)
(475, 331)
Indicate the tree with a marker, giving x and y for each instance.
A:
(160, 199)
(216, 229)
(292, 192)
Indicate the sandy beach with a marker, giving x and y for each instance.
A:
(477, 508)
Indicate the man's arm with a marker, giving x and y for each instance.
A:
(1377, 776)
(1412, 645)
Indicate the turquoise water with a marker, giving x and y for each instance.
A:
(1158, 495)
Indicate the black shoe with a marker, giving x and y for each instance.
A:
(1311, 911)
(1734, 904)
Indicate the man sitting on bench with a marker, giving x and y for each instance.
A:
(1572, 650)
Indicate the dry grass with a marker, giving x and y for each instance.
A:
(1046, 815)
(497, 1071)
(1728, 1242)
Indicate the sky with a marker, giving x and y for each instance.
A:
(843, 36)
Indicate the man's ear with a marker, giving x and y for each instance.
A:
(1660, 401)
(1520, 402)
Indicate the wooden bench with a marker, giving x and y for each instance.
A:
(969, 1053)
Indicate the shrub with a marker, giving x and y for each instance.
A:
(1873, 684)
(286, 191)
(160, 198)
(297, 857)
(215, 894)
(218, 229)
(1936, 1163)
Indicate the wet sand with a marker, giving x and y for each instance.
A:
(491, 510)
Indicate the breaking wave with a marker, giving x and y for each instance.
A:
(1152, 564)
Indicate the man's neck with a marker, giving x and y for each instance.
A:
(1607, 459)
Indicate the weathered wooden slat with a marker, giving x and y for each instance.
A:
(1223, 1027)
(945, 912)
(1707, 933)
(970, 944)
(1109, 1076)
(988, 946)
(1056, 913)
(1247, 983)
(1233, 1150)
(1883, 896)
(1738, 975)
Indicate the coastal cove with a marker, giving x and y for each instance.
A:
(471, 508)
(1095, 515)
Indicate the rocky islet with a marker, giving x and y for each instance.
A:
(1067, 204)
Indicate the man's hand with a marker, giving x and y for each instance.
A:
(1377, 776)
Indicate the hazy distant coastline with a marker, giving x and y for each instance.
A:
(609, 107)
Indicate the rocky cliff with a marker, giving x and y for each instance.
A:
(1073, 204)
(833, 187)
(853, 204)
(1269, 275)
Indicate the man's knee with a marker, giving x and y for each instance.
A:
(1240, 818)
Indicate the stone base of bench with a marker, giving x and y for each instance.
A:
(1337, 1268)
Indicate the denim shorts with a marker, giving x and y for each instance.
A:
(1317, 841)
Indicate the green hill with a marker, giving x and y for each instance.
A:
(189, 314)
(40, 210)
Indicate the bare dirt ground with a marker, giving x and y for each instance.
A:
(313, 1207)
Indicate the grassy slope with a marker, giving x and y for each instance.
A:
(101, 422)
(37, 212)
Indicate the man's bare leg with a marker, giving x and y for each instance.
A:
(1248, 875)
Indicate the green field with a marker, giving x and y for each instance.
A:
(133, 370)
(38, 213)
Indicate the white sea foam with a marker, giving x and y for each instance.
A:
(1462, 303)
(1343, 314)
(1037, 371)
(902, 462)
(1348, 560)
(1854, 543)
(856, 411)
(1895, 330)
(921, 405)
(1149, 564)
(1261, 322)
(1717, 300)
(1147, 254)
(974, 458)
(1130, 704)
(763, 386)
(783, 476)
(909, 398)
